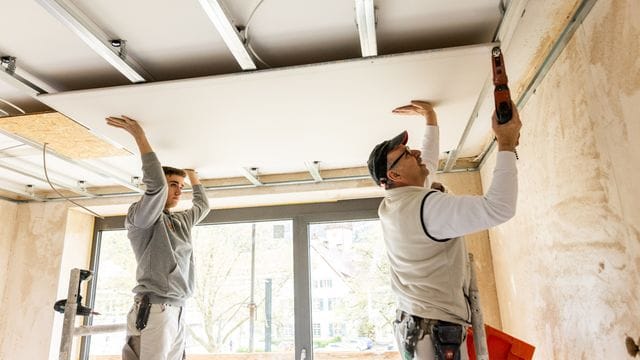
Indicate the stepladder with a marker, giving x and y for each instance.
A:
(72, 307)
(477, 320)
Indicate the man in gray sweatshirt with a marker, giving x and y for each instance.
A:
(423, 229)
(161, 242)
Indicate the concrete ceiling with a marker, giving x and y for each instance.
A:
(313, 97)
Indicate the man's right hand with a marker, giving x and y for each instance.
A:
(128, 124)
(508, 135)
(132, 127)
(419, 107)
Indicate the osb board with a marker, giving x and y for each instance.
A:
(62, 135)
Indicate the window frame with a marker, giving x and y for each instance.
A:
(301, 215)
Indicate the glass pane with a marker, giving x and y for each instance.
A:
(219, 314)
(353, 308)
(115, 279)
(218, 317)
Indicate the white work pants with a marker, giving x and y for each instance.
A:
(424, 348)
(164, 338)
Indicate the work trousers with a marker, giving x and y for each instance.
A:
(164, 337)
(424, 348)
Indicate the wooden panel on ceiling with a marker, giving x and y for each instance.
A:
(62, 135)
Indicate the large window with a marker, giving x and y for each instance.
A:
(353, 307)
(249, 299)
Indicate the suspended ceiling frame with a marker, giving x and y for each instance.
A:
(503, 33)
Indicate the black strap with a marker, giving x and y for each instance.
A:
(424, 227)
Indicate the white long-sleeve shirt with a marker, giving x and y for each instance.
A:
(449, 216)
(422, 231)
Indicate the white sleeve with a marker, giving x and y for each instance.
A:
(448, 216)
(431, 151)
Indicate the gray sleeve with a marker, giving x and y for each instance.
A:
(200, 207)
(146, 211)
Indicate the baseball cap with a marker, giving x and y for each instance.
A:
(378, 159)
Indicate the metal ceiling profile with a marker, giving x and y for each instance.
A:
(366, 22)
(27, 192)
(220, 18)
(8, 75)
(503, 35)
(69, 15)
(100, 171)
(314, 169)
(252, 175)
(33, 175)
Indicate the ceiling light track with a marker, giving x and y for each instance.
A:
(80, 24)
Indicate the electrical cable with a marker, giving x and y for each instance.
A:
(246, 35)
(246, 27)
(46, 175)
(253, 52)
(12, 105)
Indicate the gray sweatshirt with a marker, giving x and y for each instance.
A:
(161, 240)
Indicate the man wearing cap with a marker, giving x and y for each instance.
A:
(161, 242)
(423, 231)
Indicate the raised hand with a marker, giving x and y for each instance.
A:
(419, 107)
(132, 127)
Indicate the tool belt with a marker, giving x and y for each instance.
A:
(446, 337)
(144, 308)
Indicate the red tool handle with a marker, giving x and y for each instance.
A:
(501, 94)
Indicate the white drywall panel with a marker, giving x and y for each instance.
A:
(333, 112)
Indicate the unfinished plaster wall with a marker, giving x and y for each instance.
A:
(33, 277)
(25, 323)
(7, 233)
(567, 266)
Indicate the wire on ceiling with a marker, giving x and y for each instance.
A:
(246, 35)
(46, 175)
(12, 105)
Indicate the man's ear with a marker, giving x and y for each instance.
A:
(393, 176)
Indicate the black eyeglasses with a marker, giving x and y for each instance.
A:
(407, 151)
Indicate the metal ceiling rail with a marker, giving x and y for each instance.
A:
(269, 184)
(9, 76)
(578, 17)
(219, 16)
(35, 176)
(314, 169)
(252, 175)
(80, 24)
(454, 154)
(366, 23)
(505, 31)
(98, 171)
(12, 189)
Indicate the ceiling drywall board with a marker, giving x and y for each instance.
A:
(332, 112)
